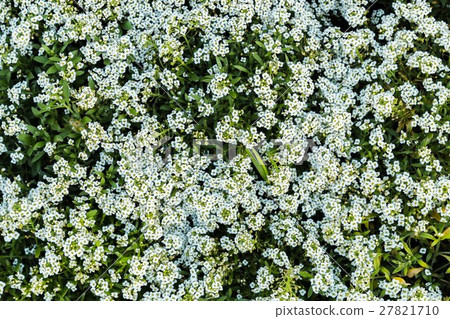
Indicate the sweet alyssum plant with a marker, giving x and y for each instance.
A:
(92, 206)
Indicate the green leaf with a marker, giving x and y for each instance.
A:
(386, 273)
(207, 78)
(408, 250)
(91, 84)
(260, 44)
(219, 63)
(241, 68)
(65, 45)
(86, 120)
(76, 59)
(398, 269)
(423, 264)
(41, 59)
(377, 264)
(258, 162)
(127, 25)
(52, 69)
(446, 234)
(37, 252)
(235, 80)
(58, 138)
(305, 274)
(47, 49)
(66, 90)
(39, 145)
(310, 292)
(38, 156)
(427, 140)
(193, 77)
(257, 58)
(31, 128)
(25, 139)
(426, 236)
(92, 213)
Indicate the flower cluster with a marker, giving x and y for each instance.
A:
(331, 180)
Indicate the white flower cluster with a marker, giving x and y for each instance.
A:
(86, 185)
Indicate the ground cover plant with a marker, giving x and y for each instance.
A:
(224, 150)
